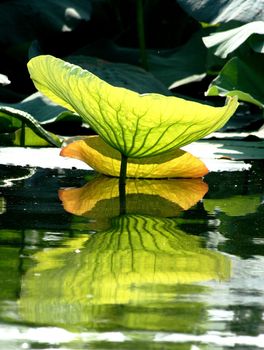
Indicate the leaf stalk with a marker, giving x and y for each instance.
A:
(141, 34)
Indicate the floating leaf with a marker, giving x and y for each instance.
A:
(132, 265)
(242, 79)
(106, 160)
(229, 40)
(136, 125)
(152, 197)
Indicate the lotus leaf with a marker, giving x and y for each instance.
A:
(136, 125)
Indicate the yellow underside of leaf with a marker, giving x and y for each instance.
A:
(106, 160)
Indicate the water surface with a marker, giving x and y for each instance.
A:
(182, 269)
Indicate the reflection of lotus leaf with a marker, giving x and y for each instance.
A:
(128, 275)
(150, 197)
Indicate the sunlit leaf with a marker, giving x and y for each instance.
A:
(12, 119)
(135, 263)
(136, 125)
(106, 160)
(99, 198)
(228, 41)
(241, 78)
(28, 138)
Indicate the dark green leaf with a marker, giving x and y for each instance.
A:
(121, 74)
(41, 108)
(241, 78)
(173, 67)
(22, 20)
(212, 11)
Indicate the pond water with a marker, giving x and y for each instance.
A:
(182, 269)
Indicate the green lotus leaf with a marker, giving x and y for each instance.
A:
(136, 125)
(242, 78)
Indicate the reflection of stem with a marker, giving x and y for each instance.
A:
(141, 34)
(122, 184)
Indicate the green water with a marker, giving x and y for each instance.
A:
(182, 269)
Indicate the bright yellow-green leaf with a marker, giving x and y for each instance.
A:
(106, 160)
(30, 139)
(99, 198)
(136, 125)
(141, 263)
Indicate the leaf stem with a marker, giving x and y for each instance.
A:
(141, 34)
(122, 184)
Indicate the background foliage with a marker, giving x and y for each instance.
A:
(170, 47)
